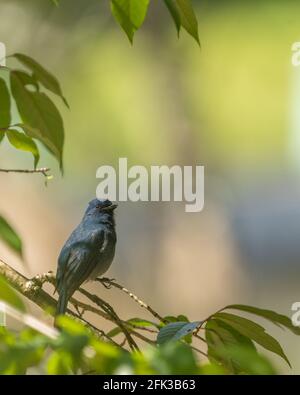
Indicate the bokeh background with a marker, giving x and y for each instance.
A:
(232, 106)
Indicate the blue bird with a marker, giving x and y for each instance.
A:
(89, 251)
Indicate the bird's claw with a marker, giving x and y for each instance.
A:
(105, 281)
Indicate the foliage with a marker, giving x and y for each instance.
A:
(10, 237)
(76, 350)
(130, 15)
(223, 343)
(40, 121)
(40, 118)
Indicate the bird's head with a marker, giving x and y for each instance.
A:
(100, 207)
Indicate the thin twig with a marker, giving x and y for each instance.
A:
(199, 337)
(134, 297)
(110, 311)
(32, 289)
(112, 283)
(50, 278)
(142, 328)
(42, 170)
(37, 295)
(197, 350)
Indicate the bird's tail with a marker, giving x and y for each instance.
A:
(62, 303)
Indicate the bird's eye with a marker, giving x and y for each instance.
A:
(98, 206)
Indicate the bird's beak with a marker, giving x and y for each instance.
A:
(110, 208)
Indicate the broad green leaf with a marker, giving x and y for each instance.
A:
(19, 351)
(5, 118)
(59, 363)
(41, 74)
(73, 337)
(253, 331)
(179, 318)
(176, 331)
(130, 14)
(228, 334)
(172, 7)
(212, 369)
(72, 343)
(24, 143)
(2, 134)
(10, 237)
(41, 117)
(27, 79)
(71, 326)
(188, 18)
(275, 318)
(219, 334)
(8, 295)
(107, 358)
(250, 362)
(172, 358)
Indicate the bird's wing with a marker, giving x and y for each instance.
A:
(78, 259)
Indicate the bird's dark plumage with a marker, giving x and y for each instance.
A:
(89, 251)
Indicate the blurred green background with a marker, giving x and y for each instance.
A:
(231, 106)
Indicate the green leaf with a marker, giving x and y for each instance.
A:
(42, 75)
(136, 322)
(181, 318)
(24, 143)
(212, 369)
(227, 334)
(71, 326)
(176, 331)
(20, 351)
(27, 79)
(174, 13)
(275, 318)
(253, 331)
(188, 18)
(8, 295)
(60, 363)
(219, 334)
(5, 118)
(172, 358)
(41, 119)
(130, 14)
(250, 362)
(10, 237)
(141, 322)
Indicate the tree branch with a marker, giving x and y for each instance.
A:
(111, 283)
(32, 289)
(42, 170)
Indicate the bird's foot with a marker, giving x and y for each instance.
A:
(105, 281)
(41, 279)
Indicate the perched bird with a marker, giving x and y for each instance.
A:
(89, 251)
